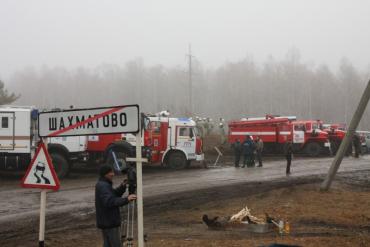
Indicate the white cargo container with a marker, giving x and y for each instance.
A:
(19, 137)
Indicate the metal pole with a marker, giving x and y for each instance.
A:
(42, 211)
(140, 224)
(347, 139)
(42, 219)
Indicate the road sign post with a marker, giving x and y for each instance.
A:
(42, 218)
(93, 121)
(41, 174)
(42, 212)
(139, 190)
(140, 218)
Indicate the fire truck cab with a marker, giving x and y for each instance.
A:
(336, 133)
(311, 138)
(170, 137)
(19, 137)
(169, 141)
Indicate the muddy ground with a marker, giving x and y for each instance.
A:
(340, 217)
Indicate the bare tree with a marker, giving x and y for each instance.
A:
(233, 90)
(5, 97)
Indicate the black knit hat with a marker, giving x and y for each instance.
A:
(104, 169)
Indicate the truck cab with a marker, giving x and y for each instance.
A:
(178, 138)
(310, 135)
(173, 142)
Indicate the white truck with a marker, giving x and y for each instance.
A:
(169, 141)
(19, 137)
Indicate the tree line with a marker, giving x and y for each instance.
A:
(234, 90)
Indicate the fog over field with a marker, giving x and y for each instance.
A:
(248, 58)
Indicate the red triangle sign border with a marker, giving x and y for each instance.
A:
(51, 167)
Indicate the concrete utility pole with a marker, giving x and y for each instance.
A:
(347, 139)
(190, 82)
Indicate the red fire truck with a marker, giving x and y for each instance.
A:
(169, 141)
(307, 136)
(336, 133)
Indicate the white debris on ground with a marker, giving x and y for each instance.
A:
(245, 214)
(243, 217)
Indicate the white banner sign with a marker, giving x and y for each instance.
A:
(77, 122)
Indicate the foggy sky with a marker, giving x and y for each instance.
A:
(72, 33)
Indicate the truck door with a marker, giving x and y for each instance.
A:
(157, 140)
(298, 133)
(186, 140)
(156, 135)
(6, 130)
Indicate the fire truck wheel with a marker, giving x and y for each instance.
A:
(60, 164)
(313, 149)
(177, 160)
(334, 147)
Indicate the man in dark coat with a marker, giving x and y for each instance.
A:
(357, 144)
(237, 146)
(107, 204)
(253, 156)
(259, 149)
(248, 148)
(288, 151)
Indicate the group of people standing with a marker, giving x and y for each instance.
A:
(252, 150)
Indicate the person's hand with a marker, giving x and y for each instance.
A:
(131, 197)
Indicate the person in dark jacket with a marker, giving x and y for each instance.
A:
(288, 151)
(253, 156)
(259, 149)
(248, 148)
(237, 146)
(107, 204)
(357, 144)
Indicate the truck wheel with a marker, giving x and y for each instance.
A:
(334, 147)
(188, 163)
(313, 149)
(60, 165)
(177, 161)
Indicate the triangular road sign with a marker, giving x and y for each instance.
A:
(41, 173)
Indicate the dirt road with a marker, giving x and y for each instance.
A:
(77, 191)
(75, 203)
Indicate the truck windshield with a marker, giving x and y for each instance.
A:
(317, 126)
(187, 131)
(155, 126)
(299, 127)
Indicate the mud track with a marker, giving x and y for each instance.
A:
(71, 211)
